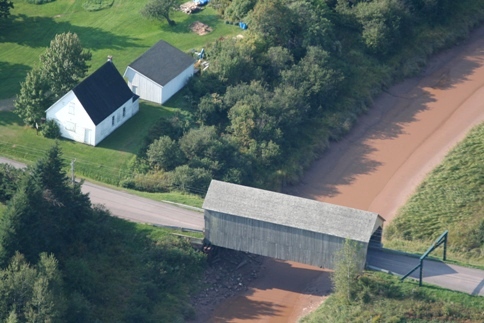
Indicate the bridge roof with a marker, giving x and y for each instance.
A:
(291, 211)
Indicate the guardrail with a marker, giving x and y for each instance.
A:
(440, 240)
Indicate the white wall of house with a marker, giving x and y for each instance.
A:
(72, 119)
(143, 86)
(75, 123)
(148, 90)
(177, 83)
(115, 120)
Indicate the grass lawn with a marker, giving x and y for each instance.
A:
(119, 31)
(106, 162)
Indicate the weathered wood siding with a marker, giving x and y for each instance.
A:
(274, 240)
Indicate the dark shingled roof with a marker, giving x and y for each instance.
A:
(103, 92)
(162, 63)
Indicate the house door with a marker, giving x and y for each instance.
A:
(87, 136)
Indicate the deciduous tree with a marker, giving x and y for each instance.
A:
(64, 63)
(164, 153)
(62, 66)
(33, 99)
(159, 9)
(348, 265)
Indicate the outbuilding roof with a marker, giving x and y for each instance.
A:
(291, 211)
(103, 92)
(162, 63)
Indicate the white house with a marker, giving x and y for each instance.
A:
(159, 73)
(95, 107)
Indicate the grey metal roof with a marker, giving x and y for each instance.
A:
(162, 63)
(291, 211)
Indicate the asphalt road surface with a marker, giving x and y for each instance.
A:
(463, 279)
(138, 209)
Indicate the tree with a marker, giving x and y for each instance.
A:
(31, 293)
(273, 20)
(33, 99)
(348, 265)
(46, 214)
(159, 10)
(9, 180)
(164, 153)
(5, 6)
(64, 63)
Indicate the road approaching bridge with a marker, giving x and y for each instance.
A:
(458, 278)
(138, 209)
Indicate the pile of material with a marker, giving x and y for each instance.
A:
(189, 7)
(200, 28)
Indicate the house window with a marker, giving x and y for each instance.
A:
(70, 126)
(72, 107)
(124, 112)
(134, 89)
(112, 121)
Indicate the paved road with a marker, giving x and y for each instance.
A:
(463, 279)
(138, 209)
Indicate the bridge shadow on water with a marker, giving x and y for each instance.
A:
(263, 299)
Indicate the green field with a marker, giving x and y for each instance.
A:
(119, 31)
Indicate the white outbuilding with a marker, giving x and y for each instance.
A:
(159, 73)
(95, 107)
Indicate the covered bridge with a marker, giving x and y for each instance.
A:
(284, 226)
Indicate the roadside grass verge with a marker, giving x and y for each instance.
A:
(119, 31)
(381, 297)
(450, 198)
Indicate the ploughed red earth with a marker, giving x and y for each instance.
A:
(375, 167)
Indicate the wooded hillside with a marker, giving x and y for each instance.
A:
(276, 95)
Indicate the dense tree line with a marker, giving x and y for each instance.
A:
(270, 100)
(63, 259)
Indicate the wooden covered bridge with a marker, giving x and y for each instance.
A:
(283, 226)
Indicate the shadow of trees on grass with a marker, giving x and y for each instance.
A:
(41, 30)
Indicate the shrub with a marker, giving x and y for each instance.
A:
(51, 130)
(151, 182)
(191, 180)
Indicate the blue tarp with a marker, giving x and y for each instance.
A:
(243, 25)
(201, 2)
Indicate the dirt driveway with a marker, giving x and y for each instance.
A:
(376, 167)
